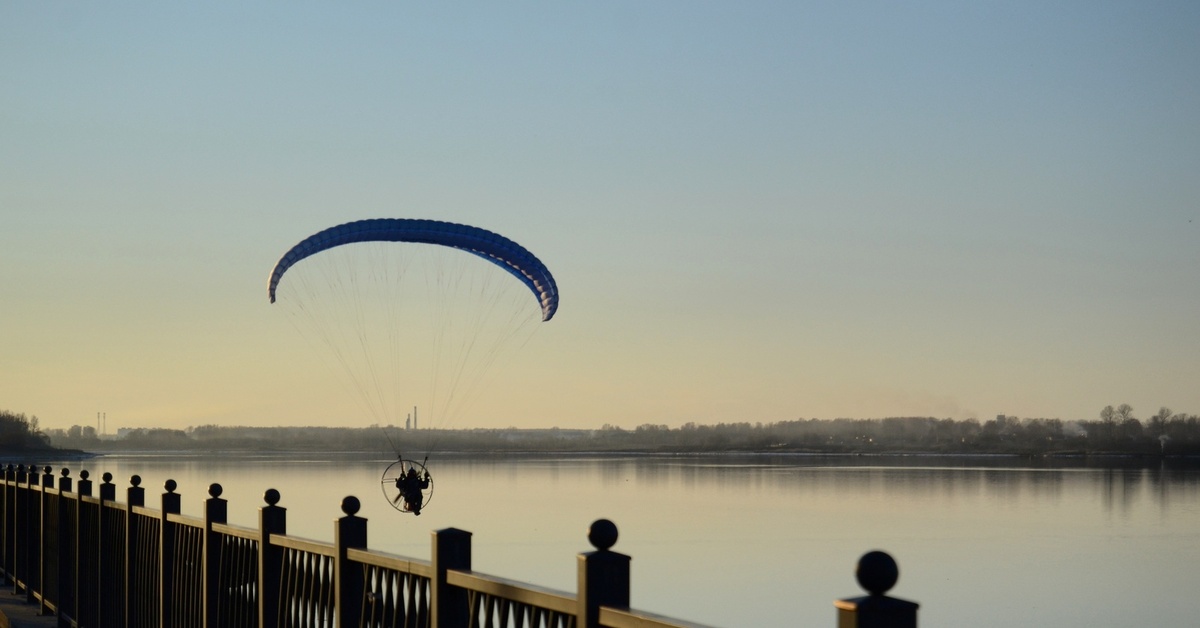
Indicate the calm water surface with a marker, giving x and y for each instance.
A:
(749, 541)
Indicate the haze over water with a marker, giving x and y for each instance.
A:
(772, 540)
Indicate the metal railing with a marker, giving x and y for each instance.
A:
(93, 562)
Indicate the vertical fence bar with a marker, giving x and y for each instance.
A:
(603, 575)
(449, 606)
(272, 519)
(349, 532)
(216, 510)
(877, 573)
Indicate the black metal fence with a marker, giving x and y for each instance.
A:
(91, 561)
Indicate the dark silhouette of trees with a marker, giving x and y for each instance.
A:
(19, 433)
(1118, 430)
(1158, 423)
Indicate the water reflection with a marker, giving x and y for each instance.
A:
(1121, 482)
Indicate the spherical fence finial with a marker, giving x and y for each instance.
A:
(135, 480)
(66, 473)
(877, 572)
(602, 534)
(215, 490)
(170, 485)
(107, 477)
(271, 497)
(83, 474)
(47, 469)
(351, 505)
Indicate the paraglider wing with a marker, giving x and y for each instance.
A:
(490, 246)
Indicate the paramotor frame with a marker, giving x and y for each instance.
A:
(389, 483)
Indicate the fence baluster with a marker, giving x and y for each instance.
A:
(216, 510)
(86, 552)
(166, 553)
(135, 495)
(272, 519)
(603, 575)
(449, 606)
(43, 558)
(349, 532)
(22, 545)
(109, 558)
(6, 522)
(64, 579)
(877, 573)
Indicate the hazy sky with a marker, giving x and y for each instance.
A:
(755, 211)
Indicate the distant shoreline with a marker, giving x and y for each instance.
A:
(1161, 436)
(32, 456)
(899, 458)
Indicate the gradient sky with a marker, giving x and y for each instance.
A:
(755, 211)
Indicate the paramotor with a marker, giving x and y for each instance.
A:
(396, 307)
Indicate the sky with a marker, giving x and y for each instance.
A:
(755, 211)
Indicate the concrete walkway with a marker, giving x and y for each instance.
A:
(15, 612)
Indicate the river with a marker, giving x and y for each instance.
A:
(770, 540)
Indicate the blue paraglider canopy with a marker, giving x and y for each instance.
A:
(493, 247)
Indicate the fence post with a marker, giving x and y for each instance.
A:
(107, 559)
(22, 520)
(67, 576)
(27, 477)
(272, 519)
(108, 490)
(6, 504)
(135, 495)
(10, 510)
(86, 570)
(166, 553)
(448, 605)
(45, 538)
(877, 573)
(10, 524)
(65, 483)
(350, 531)
(603, 575)
(216, 510)
(84, 487)
(19, 528)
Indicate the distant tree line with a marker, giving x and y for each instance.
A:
(1116, 430)
(19, 433)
